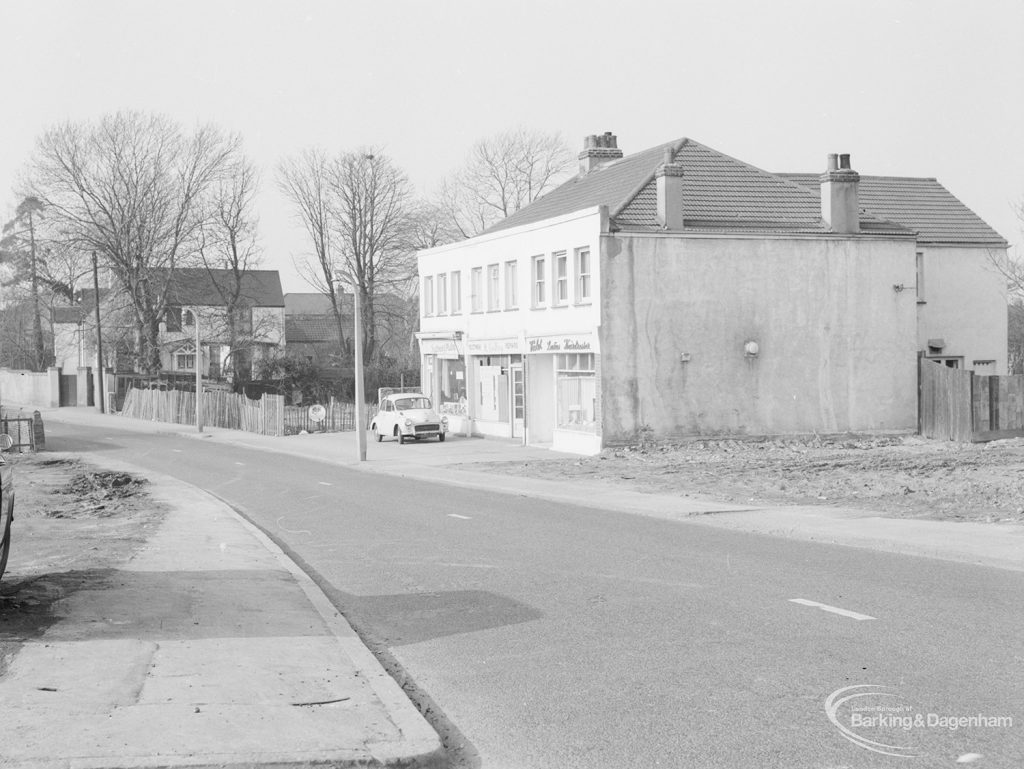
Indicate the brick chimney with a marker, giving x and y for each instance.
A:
(840, 207)
(669, 180)
(598, 150)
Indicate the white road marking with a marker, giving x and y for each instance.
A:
(463, 517)
(325, 483)
(240, 463)
(176, 451)
(833, 609)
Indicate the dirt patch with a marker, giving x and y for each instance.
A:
(72, 521)
(897, 476)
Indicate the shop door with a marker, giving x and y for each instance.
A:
(518, 394)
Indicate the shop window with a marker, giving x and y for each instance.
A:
(428, 295)
(561, 290)
(476, 287)
(493, 286)
(539, 276)
(442, 294)
(576, 386)
(456, 291)
(511, 283)
(452, 397)
(582, 275)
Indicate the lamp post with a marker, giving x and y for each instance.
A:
(99, 334)
(199, 375)
(360, 405)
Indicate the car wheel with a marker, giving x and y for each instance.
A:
(440, 437)
(5, 546)
(377, 435)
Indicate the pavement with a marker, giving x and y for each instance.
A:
(179, 661)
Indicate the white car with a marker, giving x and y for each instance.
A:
(407, 415)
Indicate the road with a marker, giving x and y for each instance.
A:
(543, 635)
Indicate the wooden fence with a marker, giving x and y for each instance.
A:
(220, 409)
(959, 405)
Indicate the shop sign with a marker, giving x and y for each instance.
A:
(508, 346)
(562, 343)
(439, 347)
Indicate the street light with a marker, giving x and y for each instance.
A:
(360, 397)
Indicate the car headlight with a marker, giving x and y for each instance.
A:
(408, 423)
(444, 420)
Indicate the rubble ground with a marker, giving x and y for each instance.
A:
(896, 475)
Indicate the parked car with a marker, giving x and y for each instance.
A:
(407, 415)
(6, 501)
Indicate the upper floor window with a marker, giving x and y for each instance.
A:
(428, 295)
(442, 294)
(561, 292)
(539, 275)
(172, 318)
(185, 358)
(188, 318)
(456, 291)
(583, 275)
(476, 289)
(493, 286)
(511, 286)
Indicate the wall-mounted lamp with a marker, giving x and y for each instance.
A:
(751, 349)
(897, 287)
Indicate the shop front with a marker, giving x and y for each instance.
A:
(563, 399)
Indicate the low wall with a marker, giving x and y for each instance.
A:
(29, 388)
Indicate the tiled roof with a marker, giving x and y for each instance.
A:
(314, 304)
(199, 286)
(723, 194)
(310, 328)
(920, 204)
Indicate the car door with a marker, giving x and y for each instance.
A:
(386, 418)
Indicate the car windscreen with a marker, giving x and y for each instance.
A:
(412, 403)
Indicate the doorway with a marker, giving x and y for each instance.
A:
(518, 396)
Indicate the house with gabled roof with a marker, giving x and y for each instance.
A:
(685, 292)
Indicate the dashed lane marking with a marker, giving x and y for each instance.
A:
(325, 483)
(832, 609)
(462, 517)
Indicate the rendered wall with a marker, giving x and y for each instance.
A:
(964, 304)
(27, 388)
(837, 345)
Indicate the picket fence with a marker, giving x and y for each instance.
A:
(220, 409)
(340, 417)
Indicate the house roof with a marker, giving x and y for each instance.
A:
(723, 194)
(310, 329)
(921, 204)
(314, 304)
(199, 287)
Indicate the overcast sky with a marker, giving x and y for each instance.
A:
(908, 88)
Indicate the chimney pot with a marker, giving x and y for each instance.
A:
(844, 160)
(598, 150)
(833, 162)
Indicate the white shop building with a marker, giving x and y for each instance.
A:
(508, 336)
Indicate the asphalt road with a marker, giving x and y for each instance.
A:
(548, 635)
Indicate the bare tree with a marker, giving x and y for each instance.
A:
(373, 222)
(131, 188)
(304, 181)
(502, 174)
(229, 250)
(20, 248)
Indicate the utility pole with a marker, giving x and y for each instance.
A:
(99, 333)
(360, 397)
(199, 374)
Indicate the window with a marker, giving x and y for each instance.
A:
(493, 278)
(582, 274)
(576, 387)
(442, 294)
(185, 358)
(476, 289)
(456, 291)
(919, 263)
(511, 293)
(188, 318)
(428, 295)
(538, 281)
(561, 295)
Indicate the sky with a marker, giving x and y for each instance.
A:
(907, 87)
